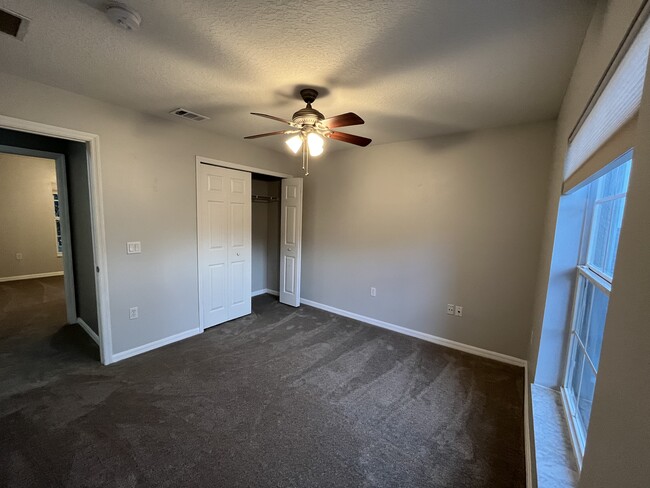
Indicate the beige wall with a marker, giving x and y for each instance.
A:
(266, 237)
(455, 219)
(149, 184)
(273, 238)
(27, 216)
(259, 237)
(610, 21)
(617, 446)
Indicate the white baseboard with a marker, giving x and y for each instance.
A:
(31, 276)
(504, 358)
(264, 291)
(154, 345)
(527, 443)
(93, 335)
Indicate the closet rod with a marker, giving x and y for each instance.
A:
(264, 199)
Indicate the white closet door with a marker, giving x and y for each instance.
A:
(224, 235)
(240, 245)
(290, 241)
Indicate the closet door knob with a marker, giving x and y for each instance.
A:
(289, 249)
(237, 254)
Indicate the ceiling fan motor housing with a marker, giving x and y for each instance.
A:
(307, 116)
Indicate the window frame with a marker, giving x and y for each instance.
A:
(585, 274)
(58, 229)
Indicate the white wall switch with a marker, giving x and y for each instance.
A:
(459, 311)
(133, 313)
(373, 291)
(133, 247)
(19, 256)
(450, 309)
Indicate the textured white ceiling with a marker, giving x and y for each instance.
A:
(410, 68)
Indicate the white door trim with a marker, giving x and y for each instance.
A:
(62, 189)
(240, 167)
(97, 217)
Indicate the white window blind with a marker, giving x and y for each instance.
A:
(614, 111)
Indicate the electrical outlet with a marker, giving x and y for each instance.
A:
(373, 291)
(133, 247)
(133, 313)
(450, 309)
(459, 311)
(19, 256)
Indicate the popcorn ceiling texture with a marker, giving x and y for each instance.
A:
(411, 69)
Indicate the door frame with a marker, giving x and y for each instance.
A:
(224, 164)
(241, 167)
(96, 217)
(64, 213)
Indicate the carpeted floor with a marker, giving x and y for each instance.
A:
(282, 398)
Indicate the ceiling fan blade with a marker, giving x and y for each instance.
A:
(272, 117)
(276, 133)
(343, 120)
(352, 139)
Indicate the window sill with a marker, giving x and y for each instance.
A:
(555, 460)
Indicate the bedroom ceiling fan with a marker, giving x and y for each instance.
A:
(309, 127)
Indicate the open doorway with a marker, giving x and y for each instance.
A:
(51, 303)
(37, 292)
(265, 234)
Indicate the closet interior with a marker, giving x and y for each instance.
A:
(265, 234)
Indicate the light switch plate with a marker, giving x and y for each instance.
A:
(133, 247)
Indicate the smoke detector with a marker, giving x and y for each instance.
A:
(125, 17)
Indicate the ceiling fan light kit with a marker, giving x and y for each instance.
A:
(310, 127)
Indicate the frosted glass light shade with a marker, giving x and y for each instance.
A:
(315, 143)
(294, 143)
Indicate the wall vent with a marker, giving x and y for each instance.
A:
(13, 24)
(188, 114)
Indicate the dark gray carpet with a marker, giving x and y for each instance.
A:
(282, 398)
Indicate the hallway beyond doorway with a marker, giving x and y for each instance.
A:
(36, 344)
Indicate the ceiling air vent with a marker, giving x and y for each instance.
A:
(187, 114)
(13, 24)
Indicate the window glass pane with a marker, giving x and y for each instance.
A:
(618, 206)
(587, 386)
(596, 323)
(614, 182)
(600, 226)
(584, 300)
(577, 361)
(605, 231)
(607, 219)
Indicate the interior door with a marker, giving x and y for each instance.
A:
(290, 241)
(224, 238)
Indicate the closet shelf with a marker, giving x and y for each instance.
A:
(265, 199)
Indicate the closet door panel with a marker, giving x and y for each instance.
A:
(224, 244)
